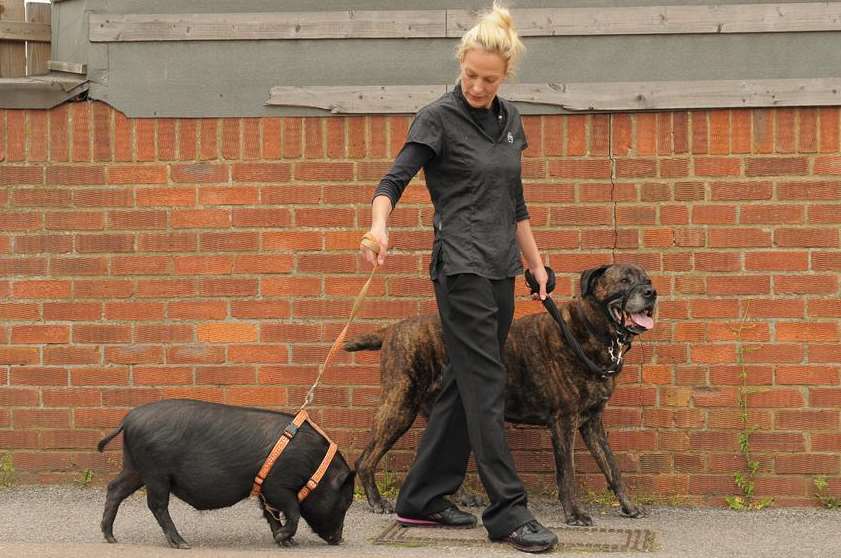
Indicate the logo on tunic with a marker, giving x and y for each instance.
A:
(510, 137)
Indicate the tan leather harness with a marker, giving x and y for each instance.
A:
(286, 437)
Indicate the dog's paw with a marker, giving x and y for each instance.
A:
(381, 506)
(634, 512)
(470, 500)
(579, 519)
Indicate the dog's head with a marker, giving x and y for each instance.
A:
(624, 292)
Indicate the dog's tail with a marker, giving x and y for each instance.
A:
(366, 342)
(106, 440)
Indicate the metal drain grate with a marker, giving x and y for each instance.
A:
(592, 539)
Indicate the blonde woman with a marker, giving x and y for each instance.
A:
(469, 143)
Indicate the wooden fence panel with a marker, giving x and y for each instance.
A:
(38, 53)
(12, 53)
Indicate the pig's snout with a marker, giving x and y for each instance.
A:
(335, 538)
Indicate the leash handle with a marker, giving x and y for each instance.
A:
(534, 286)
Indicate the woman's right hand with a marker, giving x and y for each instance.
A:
(381, 236)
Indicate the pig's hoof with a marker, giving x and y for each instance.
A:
(287, 542)
(634, 512)
(181, 545)
(110, 539)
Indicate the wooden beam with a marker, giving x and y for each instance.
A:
(576, 97)
(531, 22)
(358, 99)
(25, 31)
(655, 20)
(67, 67)
(277, 25)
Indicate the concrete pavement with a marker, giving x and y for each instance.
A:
(47, 522)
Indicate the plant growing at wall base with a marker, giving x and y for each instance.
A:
(746, 501)
(85, 478)
(7, 471)
(822, 494)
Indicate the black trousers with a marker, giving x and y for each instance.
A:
(469, 413)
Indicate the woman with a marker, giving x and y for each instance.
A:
(469, 143)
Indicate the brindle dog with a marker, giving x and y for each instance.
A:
(549, 383)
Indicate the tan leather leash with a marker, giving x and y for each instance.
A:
(368, 241)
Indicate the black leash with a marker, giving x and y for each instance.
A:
(549, 304)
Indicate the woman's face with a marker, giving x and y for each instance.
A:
(482, 72)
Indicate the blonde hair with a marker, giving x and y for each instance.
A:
(494, 32)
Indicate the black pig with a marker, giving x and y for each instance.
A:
(208, 454)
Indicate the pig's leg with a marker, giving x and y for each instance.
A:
(274, 523)
(119, 489)
(157, 497)
(287, 502)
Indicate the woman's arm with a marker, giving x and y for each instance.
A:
(528, 246)
(409, 161)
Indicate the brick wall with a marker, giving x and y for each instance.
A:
(216, 258)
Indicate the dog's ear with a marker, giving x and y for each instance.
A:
(588, 278)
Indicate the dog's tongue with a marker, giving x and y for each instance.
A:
(642, 320)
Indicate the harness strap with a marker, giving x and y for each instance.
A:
(319, 473)
(285, 437)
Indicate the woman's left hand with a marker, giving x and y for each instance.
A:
(540, 275)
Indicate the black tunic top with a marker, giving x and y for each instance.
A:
(472, 166)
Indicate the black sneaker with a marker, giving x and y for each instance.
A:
(531, 537)
(450, 517)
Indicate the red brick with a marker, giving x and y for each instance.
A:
(805, 284)
(231, 138)
(323, 171)
(137, 219)
(134, 354)
(137, 174)
(37, 136)
(144, 136)
(75, 175)
(38, 376)
(743, 284)
(226, 195)
(718, 166)
(80, 131)
(168, 242)
(162, 376)
(198, 310)
(807, 237)
(808, 331)
(164, 333)
(261, 172)
(773, 353)
(21, 175)
(292, 138)
(801, 420)
(40, 334)
(777, 261)
(23, 419)
(71, 397)
(200, 218)
(208, 140)
(103, 198)
(714, 215)
(775, 398)
(165, 197)
(813, 190)
(577, 168)
(71, 355)
(187, 139)
(199, 173)
(739, 237)
(167, 142)
(110, 376)
(271, 138)
(828, 122)
(59, 144)
(807, 464)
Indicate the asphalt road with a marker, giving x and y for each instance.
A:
(47, 522)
